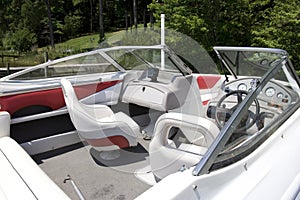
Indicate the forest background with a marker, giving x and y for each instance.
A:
(28, 28)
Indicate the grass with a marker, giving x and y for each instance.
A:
(69, 47)
(77, 45)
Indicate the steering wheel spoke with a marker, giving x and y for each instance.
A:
(239, 97)
(223, 114)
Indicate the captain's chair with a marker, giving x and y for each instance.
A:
(98, 125)
(169, 156)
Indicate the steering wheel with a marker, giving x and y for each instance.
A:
(223, 114)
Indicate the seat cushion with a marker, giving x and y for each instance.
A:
(21, 177)
(122, 134)
(122, 117)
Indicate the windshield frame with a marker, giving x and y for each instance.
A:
(210, 159)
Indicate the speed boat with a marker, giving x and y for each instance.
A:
(128, 122)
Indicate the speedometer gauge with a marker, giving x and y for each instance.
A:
(270, 92)
(279, 95)
(242, 86)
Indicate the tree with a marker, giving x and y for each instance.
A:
(4, 4)
(265, 23)
(50, 23)
(135, 14)
(184, 16)
(72, 25)
(277, 25)
(91, 12)
(21, 40)
(101, 26)
(85, 11)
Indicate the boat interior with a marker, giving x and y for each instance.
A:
(101, 144)
(120, 141)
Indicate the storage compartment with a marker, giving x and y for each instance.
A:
(157, 95)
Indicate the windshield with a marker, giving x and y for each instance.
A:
(251, 61)
(188, 50)
(141, 59)
(252, 106)
(108, 60)
(80, 65)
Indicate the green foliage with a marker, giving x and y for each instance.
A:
(22, 40)
(217, 23)
(264, 23)
(32, 13)
(181, 16)
(72, 25)
(280, 27)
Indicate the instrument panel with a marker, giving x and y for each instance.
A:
(273, 94)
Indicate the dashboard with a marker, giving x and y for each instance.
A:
(273, 95)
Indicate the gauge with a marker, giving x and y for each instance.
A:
(270, 92)
(254, 82)
(242, 86)
(279, 95)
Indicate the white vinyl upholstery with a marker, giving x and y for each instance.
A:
(96, 122)
(165, 157)
(21, 177)
(4, 124)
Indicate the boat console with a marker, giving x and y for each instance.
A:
(161, 93)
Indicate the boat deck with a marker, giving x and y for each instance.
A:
(97, 178)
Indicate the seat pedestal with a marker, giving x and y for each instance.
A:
(110, 155)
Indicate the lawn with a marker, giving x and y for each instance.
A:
(69, 47)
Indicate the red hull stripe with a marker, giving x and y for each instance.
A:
(207, 82)
(52, 98)
(113, 140)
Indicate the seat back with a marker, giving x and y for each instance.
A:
(166, 157)
(82, 119)
(97, 124)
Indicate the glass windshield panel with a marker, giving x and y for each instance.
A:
(250, 63)
(153, 56)
(127, 59)
(38, 73)
(191, 52)
(88, 64)
(141, 59)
